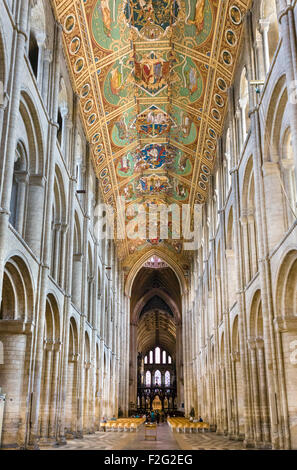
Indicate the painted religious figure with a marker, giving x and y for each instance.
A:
(106, 16)
(198, 22)
(154, 157)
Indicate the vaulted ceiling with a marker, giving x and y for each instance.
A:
(152, 76)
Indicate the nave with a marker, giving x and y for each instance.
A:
(166, 440)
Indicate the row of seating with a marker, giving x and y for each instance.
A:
(123, 424)
(184, 425)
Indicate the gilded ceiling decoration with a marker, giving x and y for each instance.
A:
(152, 76)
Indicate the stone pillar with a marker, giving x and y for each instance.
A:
(264, 28)
(77, 279)
(256, 398)
(35, 206)
(13, 373)
(263, 393)
(56, 255)
(43, 283)
(22, 182)
(239, 249)
(48, 57)
(46, 390)
(133, 363)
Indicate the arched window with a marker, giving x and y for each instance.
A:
(164, 357)
(151, 357)
(33, 53)
(37, 38)
(169, 360)
(167, 379)
(157, 356)
(145, 360)
(269, 29)
(157, 377)
(244, 107)
(148, 379)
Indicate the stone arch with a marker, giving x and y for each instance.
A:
(172, 264)
(286, 324)
(53, 324)
(18, 293)
(255, 322)
(274, 119)
(31, 120)
(286, 290)
(16, 315)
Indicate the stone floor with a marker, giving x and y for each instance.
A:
(166, 440)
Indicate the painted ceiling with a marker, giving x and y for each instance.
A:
(152, 76)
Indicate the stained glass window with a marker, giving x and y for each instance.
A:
(151, 357)
(145, 360)
(167, 378)
(157, 356)
(169, 360)
(164, 357)
(158, 377)
(148, 378)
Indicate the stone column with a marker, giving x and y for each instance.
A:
(244, 225)
(256, 398)
(253, 244)
(263, 392)
(46, 390)
(54, 393)
(56, 259)
(61, 274)
(46, 247)
(47, 60)
(14, 336)
(240, 275)
(22, 182)
(133, 363)
(264, 28)
(35, 206)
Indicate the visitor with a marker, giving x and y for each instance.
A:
(158, 417)
(200, 420)
(103, 423)
(152, 417)
(113, 418)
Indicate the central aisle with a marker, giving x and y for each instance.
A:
(165, 440)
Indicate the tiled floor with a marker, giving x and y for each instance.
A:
(166, 440)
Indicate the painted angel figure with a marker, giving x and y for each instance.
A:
(199, 16)
(106, 16)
